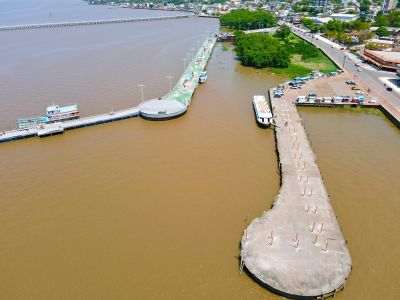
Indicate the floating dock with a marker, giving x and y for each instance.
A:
(296, 249)
(172, 105)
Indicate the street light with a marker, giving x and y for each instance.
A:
(170, 85)
(184, 63)
(344, 61)
(141, 89)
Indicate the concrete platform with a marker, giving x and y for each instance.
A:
(296, 249)
(161, 109)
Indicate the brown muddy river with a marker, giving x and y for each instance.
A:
(155, 210)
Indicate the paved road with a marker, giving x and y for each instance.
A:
(371, 77)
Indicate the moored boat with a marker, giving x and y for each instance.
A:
(203, 77)
(262, 111)
(56, 113)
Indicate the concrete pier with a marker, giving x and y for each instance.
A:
(86, 23)
(296, 249)
(172, 105)
(177, 101)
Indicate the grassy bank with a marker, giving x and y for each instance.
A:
(300, 66)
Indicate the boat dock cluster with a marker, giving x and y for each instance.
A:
(344, 93)
(86, 23)
(296, 249)
(173, 104)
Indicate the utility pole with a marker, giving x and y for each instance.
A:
(141, 89)
(184, 64)
(170, 85)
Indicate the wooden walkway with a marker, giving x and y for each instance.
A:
(296, 249)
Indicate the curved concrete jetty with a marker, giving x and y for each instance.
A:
(296, 249)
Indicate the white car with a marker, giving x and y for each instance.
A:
(360, 93)
(359, 70)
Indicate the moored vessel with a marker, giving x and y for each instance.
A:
(262, 111)
(203, 77)
(56, 113)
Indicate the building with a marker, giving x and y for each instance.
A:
(382, 59)
(344, 17)
(321, 3)
(388, 5)
(380, 44)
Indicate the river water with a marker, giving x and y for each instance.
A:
(155, 210)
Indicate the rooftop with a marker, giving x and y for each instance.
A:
(386, 55)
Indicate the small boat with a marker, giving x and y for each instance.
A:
(203, 77)
(56, 113)
(50, 129)
(262, 110)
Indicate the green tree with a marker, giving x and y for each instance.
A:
(245, 19)
(261, 50)
(381, 19)
(382, 31)
(283, 32)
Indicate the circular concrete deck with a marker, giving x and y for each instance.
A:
(161, 109)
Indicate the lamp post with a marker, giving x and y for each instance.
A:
(184, 63)
(170, 85)
(141, 89)
(344, 61)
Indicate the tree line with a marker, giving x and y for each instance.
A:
(243, 19)
(265, 50)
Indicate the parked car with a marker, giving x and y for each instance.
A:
(301, 99)
(356, 88)
(350, 81)
(346, 99)
(357, 65)
(359, 70)
(389, 89)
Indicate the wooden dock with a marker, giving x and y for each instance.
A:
(296, 249)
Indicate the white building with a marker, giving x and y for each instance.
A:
(344, 17)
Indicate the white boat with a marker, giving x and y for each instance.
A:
(50, 129)
(262, 111)
(203, 77)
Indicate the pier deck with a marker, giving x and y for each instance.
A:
(296, 249)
